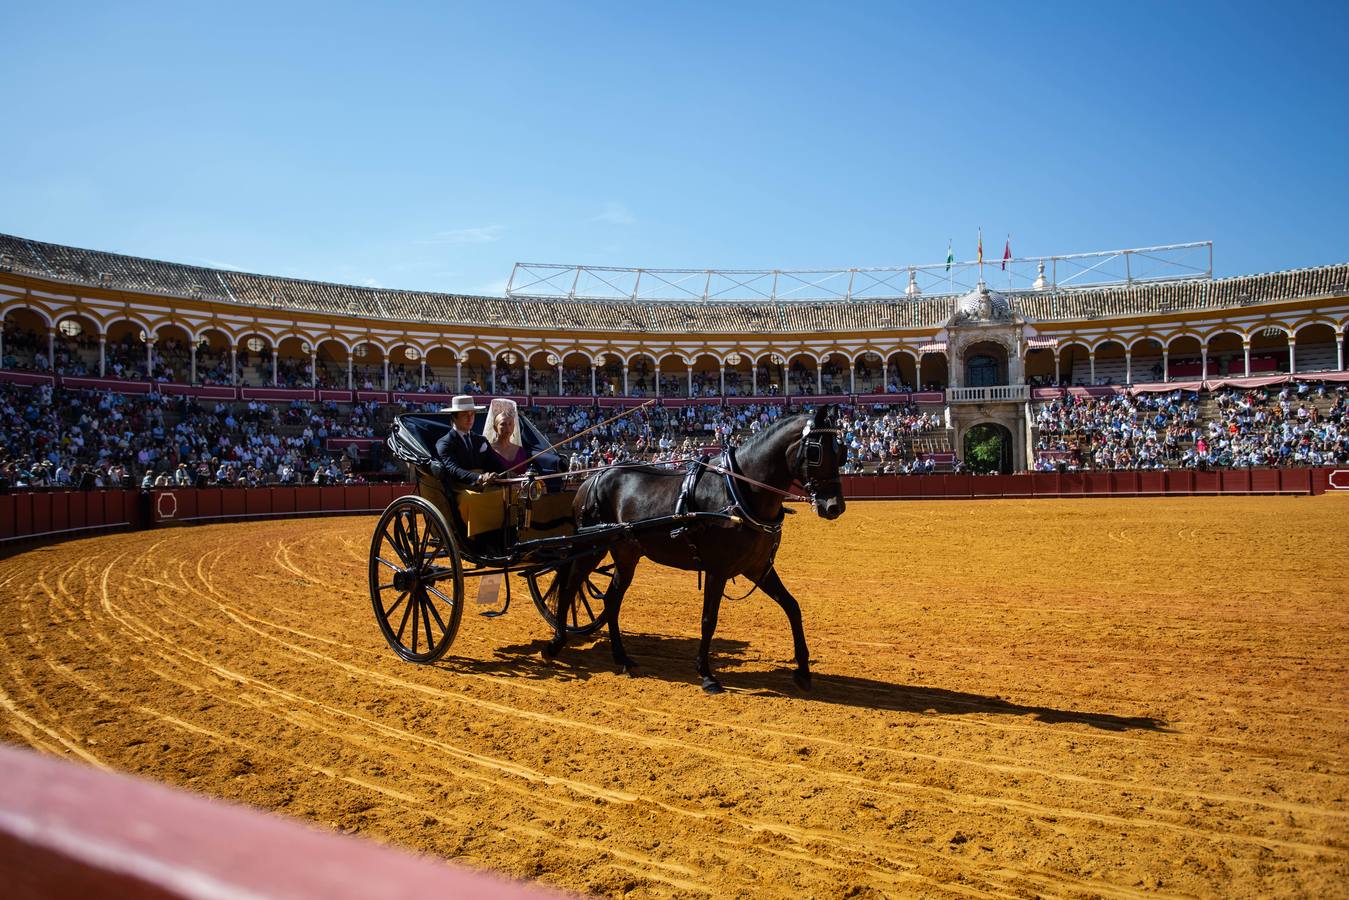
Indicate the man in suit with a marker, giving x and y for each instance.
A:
(464, 459)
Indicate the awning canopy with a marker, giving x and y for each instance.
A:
(1042, 343)
(934, 347)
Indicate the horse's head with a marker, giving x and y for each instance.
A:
(818, 457)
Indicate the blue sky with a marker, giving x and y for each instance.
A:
(432, 145)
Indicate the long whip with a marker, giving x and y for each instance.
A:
(567, 440)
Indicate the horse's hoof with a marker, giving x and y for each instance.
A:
(802, 679)
(712, 686)
(627, 667)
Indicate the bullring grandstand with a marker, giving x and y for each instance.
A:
(1158, 366)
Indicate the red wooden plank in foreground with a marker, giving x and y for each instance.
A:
(70, 831)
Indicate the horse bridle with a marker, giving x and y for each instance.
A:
(810, 455)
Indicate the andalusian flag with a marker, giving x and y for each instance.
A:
(981, 246)
(950, 255)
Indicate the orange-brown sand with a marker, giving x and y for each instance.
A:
(1071, 698)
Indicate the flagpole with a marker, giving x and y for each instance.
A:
(981, 256)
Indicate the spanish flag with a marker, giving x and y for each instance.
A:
(981, 246)
(1006, 253)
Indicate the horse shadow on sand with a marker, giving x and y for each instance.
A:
(670, 658)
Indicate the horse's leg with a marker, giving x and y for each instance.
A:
(568, 580)
(624, 566)
(713, 586)
(772, 586)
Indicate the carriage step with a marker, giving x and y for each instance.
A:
(489, 590)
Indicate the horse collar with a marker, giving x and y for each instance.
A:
(732, 472)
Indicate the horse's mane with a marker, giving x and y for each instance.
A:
(763, 436)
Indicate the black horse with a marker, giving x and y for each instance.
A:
(750, 489)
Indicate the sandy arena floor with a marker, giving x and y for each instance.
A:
(1075, 698)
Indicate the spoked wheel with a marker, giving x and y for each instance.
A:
(587, 612)
(416, 580)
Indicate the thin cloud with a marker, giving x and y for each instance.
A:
(372, 283)
(482, 234)
(615, 214)
(217, 264)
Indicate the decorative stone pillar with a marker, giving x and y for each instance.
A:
(657, 379)
(1057, 376)
(722, 391)
(103, 358)
(1339, 351)
(386, 374)
(1203, 362)
(559, 379)
(1128, 366)
(819, 378)
(1246, 352)
(689, 372)
(276, 365)
(754, 377)
(234, 366)
(1166, 364)
(593, 392)
(313, 367)
(1292, 356)
(458, 376)
(349, 371)
(422, 381)
(526, 381)
(149, 357)
(852, 377)
(625, 379)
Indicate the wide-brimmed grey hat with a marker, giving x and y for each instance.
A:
(462, 403)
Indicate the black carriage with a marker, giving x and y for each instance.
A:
(427, 545)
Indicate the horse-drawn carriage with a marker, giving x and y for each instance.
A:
(426, 546)
(577, 549)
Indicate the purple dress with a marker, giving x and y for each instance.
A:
(516, 457)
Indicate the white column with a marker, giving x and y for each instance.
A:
(51, 349)
(754, 377)
(1203, 362)
(852, 377)
(722, 392)
(276, 364)
(1292, 357)
(658, 379)
(559, 379)
(422, 381)
(149, 358)
(313, 368)
(526, 380)
(625, 379)
(690, 374)
(386, 373)
(458, 377)
(1166, 364)
(494, 376)
(1128, 366)
(819, 378)
(1246, 352)
(349, 367)
(1339, 351)
(1057, 376)
(234, 365)
(593, 392)
(1091, 366)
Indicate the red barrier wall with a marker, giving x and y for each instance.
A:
(1170, 483)
(26, 515)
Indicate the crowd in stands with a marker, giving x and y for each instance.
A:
(53, 437)
(1298, 424)
(58, 437)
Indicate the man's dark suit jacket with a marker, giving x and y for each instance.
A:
(458, 457)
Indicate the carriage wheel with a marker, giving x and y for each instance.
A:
(416, 580)
(587, 612)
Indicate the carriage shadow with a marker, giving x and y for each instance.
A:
(670, 658)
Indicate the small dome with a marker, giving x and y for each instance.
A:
(982, 305)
